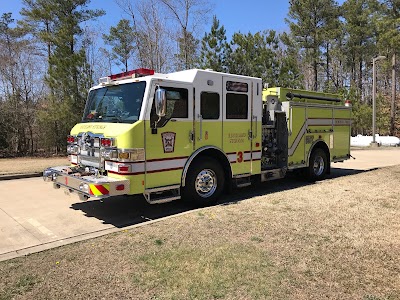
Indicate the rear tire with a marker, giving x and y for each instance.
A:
(318, 165)
(204, 183)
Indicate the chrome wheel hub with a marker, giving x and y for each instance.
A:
(206, 183)
(318, 166)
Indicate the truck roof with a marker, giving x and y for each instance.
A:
(190, 75)
(187, 76)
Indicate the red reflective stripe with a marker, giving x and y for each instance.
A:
(125, 174)
(168, 158)
(90, 190)
(164, 170)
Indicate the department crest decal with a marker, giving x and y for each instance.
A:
(168, 140)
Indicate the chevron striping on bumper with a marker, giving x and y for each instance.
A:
(99, 190)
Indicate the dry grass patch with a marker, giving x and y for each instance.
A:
(336, 239)
(29, 164)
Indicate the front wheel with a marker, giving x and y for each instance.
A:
(204, 182)
(318, 165)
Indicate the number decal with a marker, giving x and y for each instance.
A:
(239, 158)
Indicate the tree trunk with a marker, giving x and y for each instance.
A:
(315, 67)
(360, 79)
(327, 64)
(393, 102)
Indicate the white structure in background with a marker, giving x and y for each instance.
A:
(365, 140)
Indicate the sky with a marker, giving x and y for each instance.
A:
(236, 15)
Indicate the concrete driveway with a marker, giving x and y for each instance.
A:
(34, 216)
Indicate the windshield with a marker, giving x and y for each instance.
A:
(115, 104)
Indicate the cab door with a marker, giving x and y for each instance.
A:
(237, 123)
(208, 115)
(168, 144)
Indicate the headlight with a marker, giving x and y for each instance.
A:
(72, 149)
(109, 154)
(84, 187)
(136, 154)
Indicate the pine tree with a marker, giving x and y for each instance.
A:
(308, 21)
(389, 44)
(332, 43)
(254, 55)
(360, 39)
(187, 57)
(121, 38)
(214, 47)
(289, 63)
(39, 20)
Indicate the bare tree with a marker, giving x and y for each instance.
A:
(21, 77)
(152, 34)
(157, 49)
(190, 15)
(160, 25)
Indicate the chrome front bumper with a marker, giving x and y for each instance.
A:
(86, 186)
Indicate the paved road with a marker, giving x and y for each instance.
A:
(34, 216)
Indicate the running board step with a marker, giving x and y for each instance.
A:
(163, 194)
(273, 174)
(242, 180)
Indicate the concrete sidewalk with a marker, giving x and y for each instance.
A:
(369, 159)
(35, 217)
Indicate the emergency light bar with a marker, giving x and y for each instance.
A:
(133, 74)
(124, 75)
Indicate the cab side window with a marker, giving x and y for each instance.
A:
(177, 103)
(177, 106)
(209, 105)
(236, 106)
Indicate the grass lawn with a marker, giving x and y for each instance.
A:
(22, 165)
(336, 239)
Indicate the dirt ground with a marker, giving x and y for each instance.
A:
(335, 239)
(29, 164)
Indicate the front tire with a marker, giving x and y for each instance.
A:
(204, 183)
(318, 165)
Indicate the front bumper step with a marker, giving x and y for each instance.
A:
(86, 185)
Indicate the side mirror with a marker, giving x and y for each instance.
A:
(161, 102)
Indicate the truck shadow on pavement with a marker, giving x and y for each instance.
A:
(123, 211)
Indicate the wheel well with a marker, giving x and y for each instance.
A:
(220, 157)
(323, 146)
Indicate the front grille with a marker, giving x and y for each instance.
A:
(89, 145)
(91, 161)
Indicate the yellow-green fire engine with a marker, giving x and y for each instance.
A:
(197, 133)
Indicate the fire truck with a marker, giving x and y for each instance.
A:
(196, 134)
